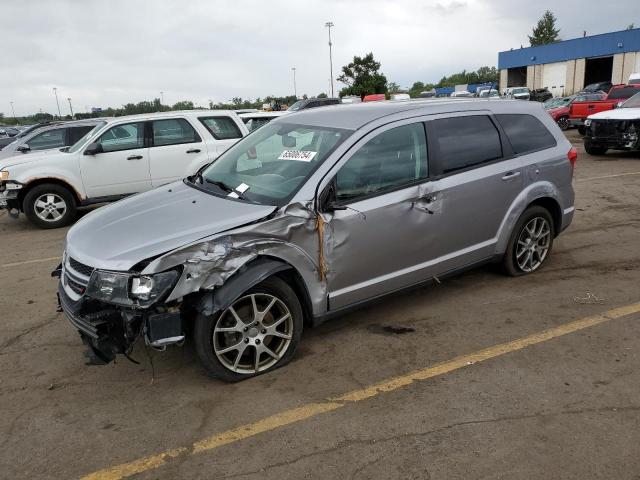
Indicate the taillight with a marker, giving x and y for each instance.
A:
(572, 155)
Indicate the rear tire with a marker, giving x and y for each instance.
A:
(228, 342)
(49, 206)
(530, 242)
(592, 149)
(582, 130)
(563, 123)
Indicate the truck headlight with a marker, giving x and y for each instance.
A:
(4, 175)
(128, 289)
(587, 123)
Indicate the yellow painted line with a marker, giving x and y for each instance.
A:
(27, 262)
(606, 176)
(304, 412)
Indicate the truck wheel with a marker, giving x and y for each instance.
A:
(563, 123)
(530, 242)
(582, 130)
(592, 149)
(49, 206)
(257, 333)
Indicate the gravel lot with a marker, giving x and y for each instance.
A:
(564, 408)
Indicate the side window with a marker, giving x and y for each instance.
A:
(466, 141)
(222, 128)
(173, 131)
(526, 133)
(313, 104)
(123, 137)
(48, 139)
(76, 133)
(394, 158)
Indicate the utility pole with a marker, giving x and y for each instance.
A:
(329, 25)
(295, 90)
(161, 98)
(70, 107)
(14, 113)
(55, 91)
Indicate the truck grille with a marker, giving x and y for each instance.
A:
(80, 268)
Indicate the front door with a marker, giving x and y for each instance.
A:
(378, 237)
(123, 166)
(176, 152)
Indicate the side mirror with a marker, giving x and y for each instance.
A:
(94, 149)
(24, 148)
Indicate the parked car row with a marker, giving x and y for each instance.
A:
(616, 129)
(617, 94)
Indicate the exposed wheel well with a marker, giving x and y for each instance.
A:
(554, 209)
(294, 280)
(42, 181)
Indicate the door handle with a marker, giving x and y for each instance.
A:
(134, 157)
(194, 150)
(510, 175)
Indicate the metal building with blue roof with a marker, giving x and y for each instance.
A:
(568, 66)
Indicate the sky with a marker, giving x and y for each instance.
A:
(104, 53)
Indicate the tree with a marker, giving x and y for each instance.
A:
(322, 95)
(393, 87)
(545, 31)
(362, 77)
(183, 105)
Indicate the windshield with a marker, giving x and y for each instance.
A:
(633, 102)
(90, 134)
(271, 164)
(520, 90)
(296, 106)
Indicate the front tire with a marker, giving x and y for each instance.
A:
(257, 333)
(582, 130)
(49, 206)
(530, 242)
(592, 149)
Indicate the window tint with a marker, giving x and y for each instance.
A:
(76, 133)
(526, 133)
(222, 128)
(393, 158)
(123, 137)
(173, 131)
(48, 139)
(466, 141)
(313, 104)
(624, 92)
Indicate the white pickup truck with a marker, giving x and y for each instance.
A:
(119, 157)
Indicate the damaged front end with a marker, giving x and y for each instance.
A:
(614, 134)
(111, 310)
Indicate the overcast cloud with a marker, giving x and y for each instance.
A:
(107, 53)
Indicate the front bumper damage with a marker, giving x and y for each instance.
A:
(108, 330)
(9, 197)
(615, 134)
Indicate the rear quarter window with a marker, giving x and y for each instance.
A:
(526, 133)
(222, 128)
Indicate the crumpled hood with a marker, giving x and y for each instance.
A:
(617, 114)
(10, 159)
(120, 235)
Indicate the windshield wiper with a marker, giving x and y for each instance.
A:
(225, 187)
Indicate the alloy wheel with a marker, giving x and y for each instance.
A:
(253, 333)
(563, 123)
(533, 244)
(50, 207)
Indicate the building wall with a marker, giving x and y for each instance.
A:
(616, 75)
(578, 79)
(629, 65)
(571, 76)
(504, 74)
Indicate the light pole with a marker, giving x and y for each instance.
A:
(70, 107)
(329, 25)
(14, 113)
(295, 90)
(161, 98)
(55, 91)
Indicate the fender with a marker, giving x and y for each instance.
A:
(248, 276)
(529, 195)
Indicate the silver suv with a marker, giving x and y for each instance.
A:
(310, 215)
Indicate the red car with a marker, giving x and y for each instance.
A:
(559, 108)
(579, 111)
(374, 97)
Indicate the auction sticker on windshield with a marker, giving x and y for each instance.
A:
(297, 155)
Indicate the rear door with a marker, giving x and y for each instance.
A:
(224, 130)
(123, 166)
(176, 150)
(477, 180)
